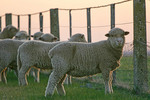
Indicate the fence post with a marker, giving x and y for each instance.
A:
(8, 19)
(0, 23)
(89, 24)
(112, 7)
(70, 23)
(19, 22)
(29, 28)
(54, 19)
(140, 48)
(41, 22)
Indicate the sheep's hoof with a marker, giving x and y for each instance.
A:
(48, 95)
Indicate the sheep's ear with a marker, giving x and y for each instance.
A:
(126, 33)
(40, 38)
(9, 27)
(55, 38)
(107, 35)
(82, 36)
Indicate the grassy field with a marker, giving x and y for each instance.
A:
(79, 90)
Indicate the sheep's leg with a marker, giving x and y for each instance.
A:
(52, 82)
(68, 80)
(110, 81)
(106, 76)
(60, 87)
(22, 75)
(3, 75)
(37, 74)
(4, 80)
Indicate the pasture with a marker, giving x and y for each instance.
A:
(81, 89)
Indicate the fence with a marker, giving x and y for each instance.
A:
(139, 29)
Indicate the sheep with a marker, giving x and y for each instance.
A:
(21, 35)
(35, 54)
(47, 37)
(37, 35)
(8, 32)
(8, 55)
(85, 59)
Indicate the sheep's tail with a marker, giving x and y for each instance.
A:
(18, 61)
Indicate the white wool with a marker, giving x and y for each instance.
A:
(35, 54)
(84, 59)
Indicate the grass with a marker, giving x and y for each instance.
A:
(79, 90)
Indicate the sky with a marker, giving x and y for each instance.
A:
(99, 16)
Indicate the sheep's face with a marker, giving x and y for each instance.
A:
(10, 31)
(77, 38)
(22, 35)
(48, 38)
(117, 38)
(37, 35)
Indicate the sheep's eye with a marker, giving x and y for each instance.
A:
(112, 35)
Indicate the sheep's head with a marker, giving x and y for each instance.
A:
(47, 37)
(21, 35)
(77, 38)
(37, 35)
(116, 36)
(9, 31)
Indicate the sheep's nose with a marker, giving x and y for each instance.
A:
(119, 41)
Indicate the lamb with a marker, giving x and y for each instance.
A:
(37, 56)
(8, 32)
(84, 59)
(21, 35)
(8, 55)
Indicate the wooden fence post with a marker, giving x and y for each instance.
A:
(89, 24)
(29, 27)
(41, 22)
(112, 26)
(140, 48)
(0, 23)
(70, 23)
(8, 19)
(18, 22)
(54, 19)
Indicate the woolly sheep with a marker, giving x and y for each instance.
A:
(8, 55)
(84, 59)
(35, 54)
(21, 35)
(47, 37)
(8, 32)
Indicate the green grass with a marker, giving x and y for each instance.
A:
(79, 90)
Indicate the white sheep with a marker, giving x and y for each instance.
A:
(8, 32)
(21, 35)
(47, 37)
(8, 55)
(37, 35)
(84, 59)
(35, 54)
